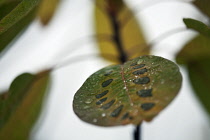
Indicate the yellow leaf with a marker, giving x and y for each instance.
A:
(46, 10)
(127, 39)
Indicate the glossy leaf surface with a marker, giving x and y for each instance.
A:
(47, 9)
(21, 105)
(203, 5)
(15, 18)
(197, 26)
(196, 57)
(116, 20)
(130, 93)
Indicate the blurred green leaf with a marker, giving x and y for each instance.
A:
(199, 74)
(119, 33)
(47, 9)
(198, 48)
(196, 57)
(197, 26)
(16, 94)
(130, 93)
(10, 34)
(16, 18)
(3, 96)
(20, 11)
(7, 6)
(203, 5)
(21, 105)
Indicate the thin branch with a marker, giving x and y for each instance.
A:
(167, 34)
(156, 40)
(81, 42)
(77, 59)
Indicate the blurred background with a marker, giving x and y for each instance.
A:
(68, 37)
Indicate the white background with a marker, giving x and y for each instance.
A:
(40, 47)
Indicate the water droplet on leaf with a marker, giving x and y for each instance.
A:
(88, 101)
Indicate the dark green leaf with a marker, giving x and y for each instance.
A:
(16, 21)
(197, 26)
(7, 7)
(118, 95)
(199, 74)
(198, 48)
(196, 57)
(10, 34)
(17, 14)
(21, 105)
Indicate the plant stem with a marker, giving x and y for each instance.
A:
(137, 133)
(117, 35)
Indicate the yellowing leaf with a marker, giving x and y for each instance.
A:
(128, 94)
(127, 40)
(21, 105)
(15, 95)
(203, 5)
(47, 9)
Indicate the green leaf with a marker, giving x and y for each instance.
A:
(17, 88)
(22, 10)
(198, 48)
(119, 34)
(20, 106)
(196, 57)
(197, 26)
(47, 9)
(7, 7)
(16, 20)
(200, 79)
(130, 93)
(203, 5)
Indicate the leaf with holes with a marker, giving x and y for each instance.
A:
(119, 36)
(130, 93)
(21, 105)
(203, 5)
(197, 26)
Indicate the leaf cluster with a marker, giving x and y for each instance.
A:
(121, 41)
